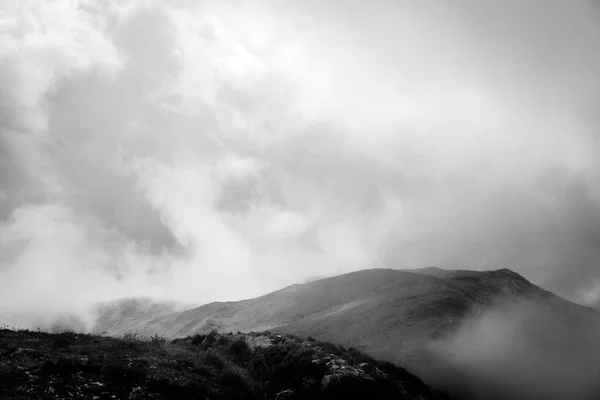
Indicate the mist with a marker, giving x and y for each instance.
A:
(523, 349)
(205, 151)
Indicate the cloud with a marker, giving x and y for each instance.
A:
(208, 151)
(55, 263)
(42, 44)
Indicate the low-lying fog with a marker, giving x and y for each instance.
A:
(523, 349)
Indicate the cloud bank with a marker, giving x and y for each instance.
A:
(203, 151)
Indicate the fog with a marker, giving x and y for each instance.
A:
(199, 151)
(524, 349)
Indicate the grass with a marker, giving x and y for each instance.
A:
(69, 365)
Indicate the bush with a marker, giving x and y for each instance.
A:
(222, 340)
(131, 336)
(307, 366)
(241, 350)
(197, 339)
(212, 335)
(214, 359)
(234, 378)
(158, 340)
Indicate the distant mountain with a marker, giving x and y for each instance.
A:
(388, 313)
(462, 331)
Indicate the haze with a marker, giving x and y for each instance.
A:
(202, 151)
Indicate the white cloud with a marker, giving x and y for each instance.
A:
(217, 150)
(235, 167)
(43, 42)
(54, 260)
(286, 224)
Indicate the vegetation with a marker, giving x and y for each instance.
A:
(69, 365)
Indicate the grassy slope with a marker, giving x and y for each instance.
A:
(36, 365)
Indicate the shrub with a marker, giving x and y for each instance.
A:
(222, 340)
(131, 336)
(214, 359)
(241, 350)
(210, 339)
(234, 377)
(158, 340)
(197, 339)
(212, 335)
(307, 366)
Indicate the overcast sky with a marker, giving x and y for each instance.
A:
(218, 150)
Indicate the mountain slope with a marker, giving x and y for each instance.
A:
(389, 313)
(475, 335)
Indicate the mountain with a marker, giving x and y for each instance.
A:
(388, 313)
(469, 333)
(67, 365)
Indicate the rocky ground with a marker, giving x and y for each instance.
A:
(67, 365)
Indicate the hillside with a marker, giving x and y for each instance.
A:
(476, 335)
(36, 365)
(389, 313)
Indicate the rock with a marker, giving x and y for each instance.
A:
(136, 393)
(285, 394)
(327, 381)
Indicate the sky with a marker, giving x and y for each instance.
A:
(218, 150)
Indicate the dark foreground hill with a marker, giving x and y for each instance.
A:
(37, 365)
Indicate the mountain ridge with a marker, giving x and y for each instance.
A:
(398, 298)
